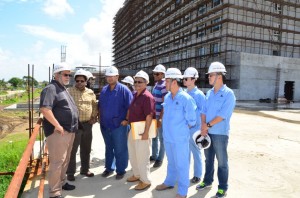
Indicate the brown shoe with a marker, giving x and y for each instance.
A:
(162, 187)
(142, 186)
(133, 179)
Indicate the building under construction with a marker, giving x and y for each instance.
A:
(257, 40)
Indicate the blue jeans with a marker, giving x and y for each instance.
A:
(217, 148)
(194, 149)
(158, 154)
(116, 148)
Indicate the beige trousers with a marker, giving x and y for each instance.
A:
(139, 153)
(59, 148)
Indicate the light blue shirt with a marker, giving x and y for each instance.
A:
(220, 104)
(179, 114)
(199, 98)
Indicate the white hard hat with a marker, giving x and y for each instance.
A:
(191, 72)
(89, 75)
(81, 72)
(216, 67)
(173, 73)
(203, 142)
(63, 66)
(111, 71)
(128, 79)
(142, 74)
(159, 68)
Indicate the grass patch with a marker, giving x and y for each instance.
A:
(22, 98)
(11, 150)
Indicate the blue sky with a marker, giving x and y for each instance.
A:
(33, 31)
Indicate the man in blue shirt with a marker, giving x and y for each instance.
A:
(114, 101)
(190, 77)
(178, 117)
(220, 103)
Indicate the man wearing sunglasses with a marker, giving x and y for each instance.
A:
(189, 79)
(220, 103)
(60, 124)
(159, 91)
(141, 109)
(114, 101)
(85, 100)
(179, 116)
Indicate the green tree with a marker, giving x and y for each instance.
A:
(16, 82)
(29, 79)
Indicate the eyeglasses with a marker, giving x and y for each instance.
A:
(156, 74)
(138, 82)
(66, 75)
(80, 81)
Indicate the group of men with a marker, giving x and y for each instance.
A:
(70, 114)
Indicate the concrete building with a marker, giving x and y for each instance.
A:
(257, 40)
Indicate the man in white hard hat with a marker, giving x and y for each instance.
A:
(114, 101)
(220, 103)
(128, 81)
(141, 109)
(159, 91)
(179, 116)
(85, 100)
(90, 80)
(60, 124)
(190, 77)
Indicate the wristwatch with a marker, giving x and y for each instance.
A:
(208, 125)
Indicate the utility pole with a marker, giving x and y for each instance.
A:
(63, 54)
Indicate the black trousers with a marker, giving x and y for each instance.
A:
(83, 138)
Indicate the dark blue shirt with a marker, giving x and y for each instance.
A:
(113, 105)
(55, 97)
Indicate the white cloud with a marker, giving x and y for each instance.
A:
(57, 8)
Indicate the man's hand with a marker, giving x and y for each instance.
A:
(145, 136)
(59, 129)
(124, 123)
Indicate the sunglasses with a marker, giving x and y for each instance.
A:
(156, 74)
(138, 82)
(66, 75)
(186, 79)
(80, 81)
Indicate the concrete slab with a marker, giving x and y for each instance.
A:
(264, 154)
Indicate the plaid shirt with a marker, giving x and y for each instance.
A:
(86, 103)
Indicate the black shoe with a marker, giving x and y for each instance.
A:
(68, 187)
(195, 180)
(151, 159)
(88, 174)
(71, 178)
(157, 164)
(59, 196)
(120, 176)
(106, 173)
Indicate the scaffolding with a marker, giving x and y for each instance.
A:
(186, 33)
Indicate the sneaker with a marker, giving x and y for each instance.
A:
(221, 193)
(203, 186)
(195, 179)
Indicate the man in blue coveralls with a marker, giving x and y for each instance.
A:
(220, 103)
(179, 115)
(190, 77)
(114, 101)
